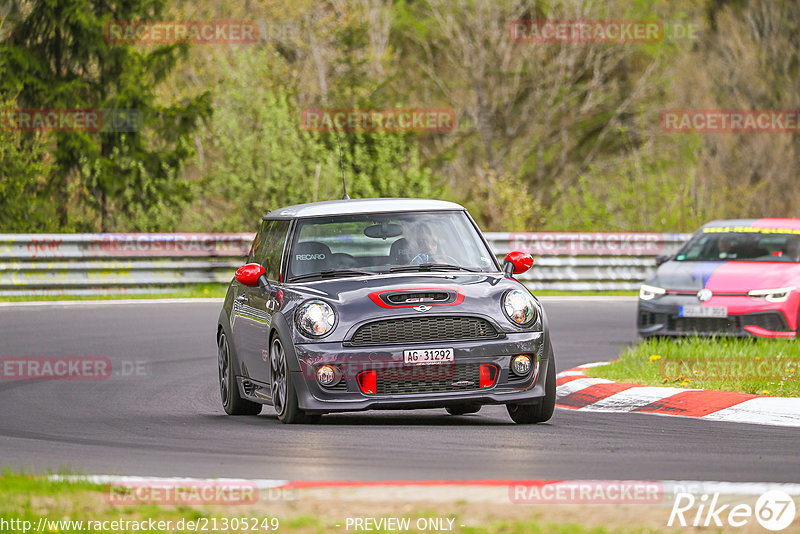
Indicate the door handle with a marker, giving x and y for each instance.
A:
(242, 298)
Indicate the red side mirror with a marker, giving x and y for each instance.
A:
(519, 260)
(249, 274)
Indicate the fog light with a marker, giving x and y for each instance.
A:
(327, 376)
(521, 365)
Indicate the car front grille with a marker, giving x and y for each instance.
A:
(340, 386)
(418, 329)
(774, 321)
(647, 319)
(428, 379)
(717, 325)
(733, 324)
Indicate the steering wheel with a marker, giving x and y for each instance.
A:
(447, 259)
(437, 258)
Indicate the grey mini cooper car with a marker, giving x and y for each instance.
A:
(381, 304)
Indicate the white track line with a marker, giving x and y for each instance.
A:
(589, 298)
(762, 411)
(630, 399)
(594, 364)
(49, 303)
(260, 483)
(670, 486)
(579, 384)
(41, 303)
(776, 411)
(727, 488)
(570, 373)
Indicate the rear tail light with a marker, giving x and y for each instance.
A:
(368, 382)
(488, 375)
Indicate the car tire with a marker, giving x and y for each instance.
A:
(232, 402)
(463, 409)
(542, 411)
(284, 396)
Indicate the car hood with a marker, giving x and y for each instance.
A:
(726, 277)
(358, 299)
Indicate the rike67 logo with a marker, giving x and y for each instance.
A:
(774, 510)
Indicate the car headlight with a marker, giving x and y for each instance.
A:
(520, 307)
(780, 294)
(315, 318)
(650, 292)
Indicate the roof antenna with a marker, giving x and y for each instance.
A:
(341, 160)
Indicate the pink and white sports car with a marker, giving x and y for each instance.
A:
(732, 278)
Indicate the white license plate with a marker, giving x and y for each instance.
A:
(703, 311)
(427, 356)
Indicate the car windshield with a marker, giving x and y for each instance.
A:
(379, 243)
(767, 245)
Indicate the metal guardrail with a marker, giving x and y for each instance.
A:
(85, 264)
(584, 261)
(78, 264)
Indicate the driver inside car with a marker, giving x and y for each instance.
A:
(727, 245)
(426, 243)
(792, 248)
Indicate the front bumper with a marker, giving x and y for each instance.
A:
(430, 386)
(747, 317)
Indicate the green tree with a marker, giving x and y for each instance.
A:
(257, 156)
(24, 207)
(57, 57)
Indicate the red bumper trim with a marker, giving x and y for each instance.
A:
(763, 332)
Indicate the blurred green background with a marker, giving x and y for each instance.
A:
(550, 136)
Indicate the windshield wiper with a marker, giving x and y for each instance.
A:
(432, 267)
(331, 273)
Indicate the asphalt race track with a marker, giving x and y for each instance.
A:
(170, 422)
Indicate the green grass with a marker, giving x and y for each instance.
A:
(31, 497)
(14, 484)
(761, 367)
(28, 498)
(187, 291)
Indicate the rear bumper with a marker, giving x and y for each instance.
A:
(418, 391)
(660, 317)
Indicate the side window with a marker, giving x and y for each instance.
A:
(256, 249)
(695, 248)
(270, 253)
